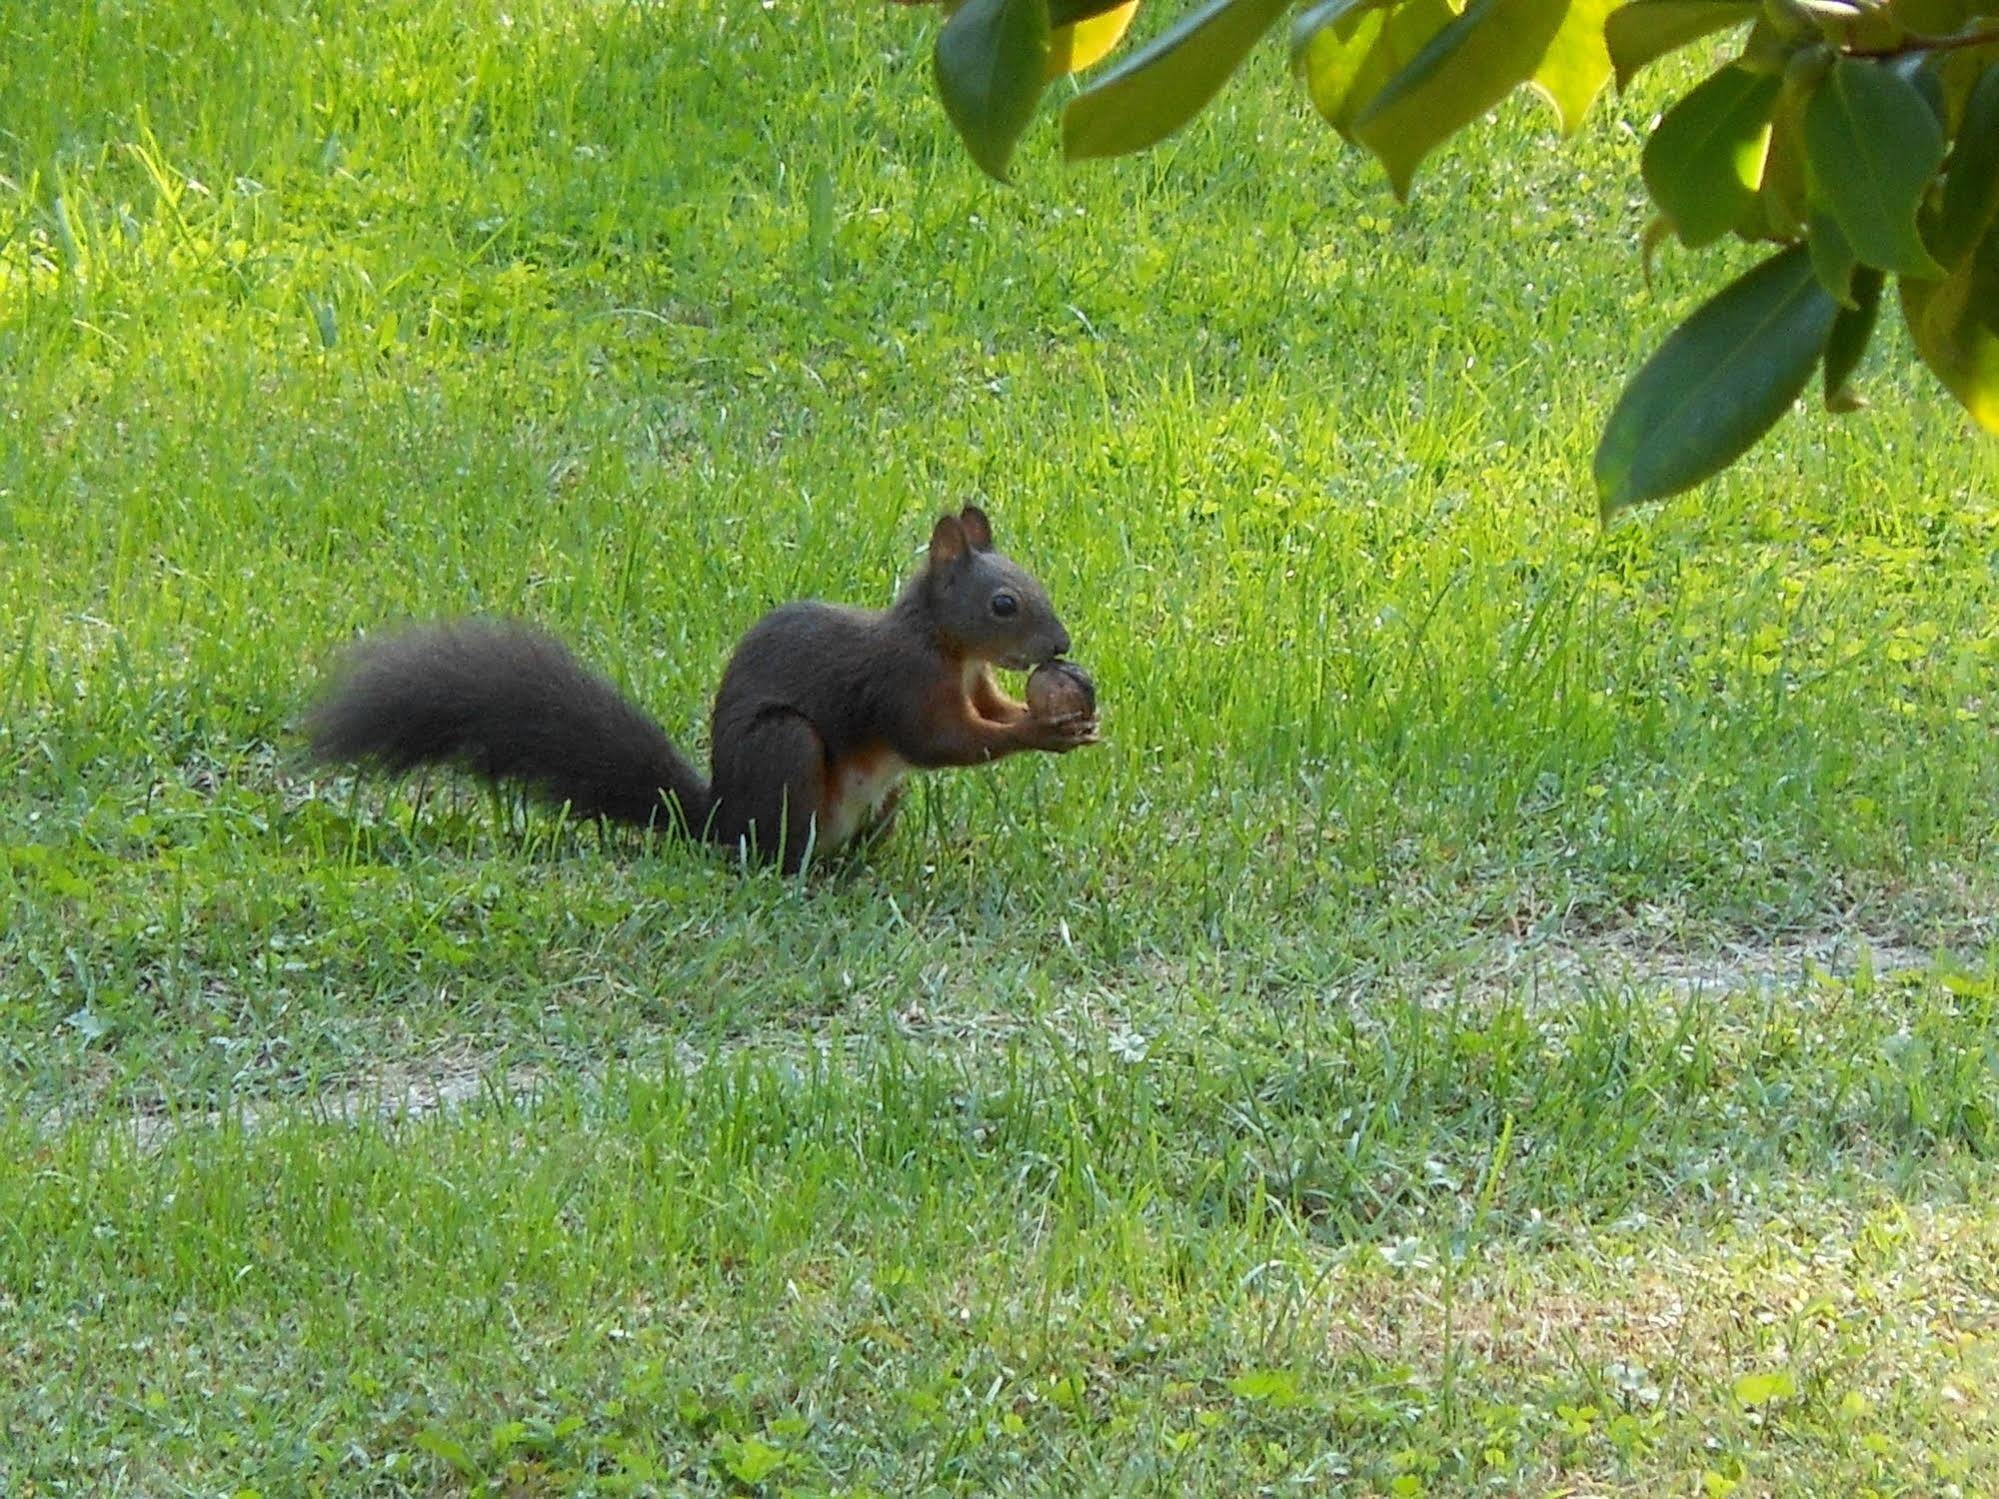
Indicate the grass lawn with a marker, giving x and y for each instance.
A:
(1510, 1009)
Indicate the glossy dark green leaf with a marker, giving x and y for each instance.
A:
(1971, 191)
(1717, 384)
(1704, 161)
(1162, 85)
(1646, 30)
(1872, 147)
(1465, 69)
(1914, 69)
(1851, 330)
(991, 64)
(1832, 257)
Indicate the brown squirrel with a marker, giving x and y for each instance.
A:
(822, 709)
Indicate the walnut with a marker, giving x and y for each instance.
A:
(1060, 689)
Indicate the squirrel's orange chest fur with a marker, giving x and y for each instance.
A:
(857, 787)
(860, 786)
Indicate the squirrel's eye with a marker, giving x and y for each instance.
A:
(1005, 605)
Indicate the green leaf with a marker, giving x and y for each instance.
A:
(991, 63)
(1932, 17)
(1330, 45)
(1346, 53)
(1646, 30)
(1315, 18)
(1958, 72)
(1955, 323)
(1462, 71)
(1717, 384)
(1276, 1386)
(1761, 1389)
(1871, 148)
(1083, 44)
(1971, 191)
(1704, 161)
(1658, 229)
(751, 1460)
(446, 1448)
(1780, 213)
(1576, 66)
(1068, 1392)
(1165, 83)
(1069, 12)
(1832, 258)
(1851, 330)
(1914, 68)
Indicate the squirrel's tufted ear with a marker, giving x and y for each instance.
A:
(978, 530)
(948, 543)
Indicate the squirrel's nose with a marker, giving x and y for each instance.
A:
(1061, 641)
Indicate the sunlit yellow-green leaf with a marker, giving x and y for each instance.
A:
(1576, 66)
(1330, 63)
(1761, 1389)
(1955, 323)
(1646, 30)
(1462, 71)
(1084, 44)
(1347, 51)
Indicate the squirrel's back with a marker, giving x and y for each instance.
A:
(832, 663)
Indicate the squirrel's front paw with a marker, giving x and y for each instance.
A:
(1069, 732)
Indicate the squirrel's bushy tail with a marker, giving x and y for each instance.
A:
(510, 704)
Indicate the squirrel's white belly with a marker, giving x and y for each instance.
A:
(858, 792)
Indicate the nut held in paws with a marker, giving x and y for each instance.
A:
(1057, 689)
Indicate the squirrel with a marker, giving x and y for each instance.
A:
(822, 711)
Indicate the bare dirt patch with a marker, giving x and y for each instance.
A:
(959, 1018)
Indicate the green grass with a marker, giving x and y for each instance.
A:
(1287, 1094)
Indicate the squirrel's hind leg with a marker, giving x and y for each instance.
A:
(770, 788)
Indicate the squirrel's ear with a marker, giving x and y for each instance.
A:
(978, 530)
(948, 542)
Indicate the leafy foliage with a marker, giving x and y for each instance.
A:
(1860, 137)
(992, 57)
